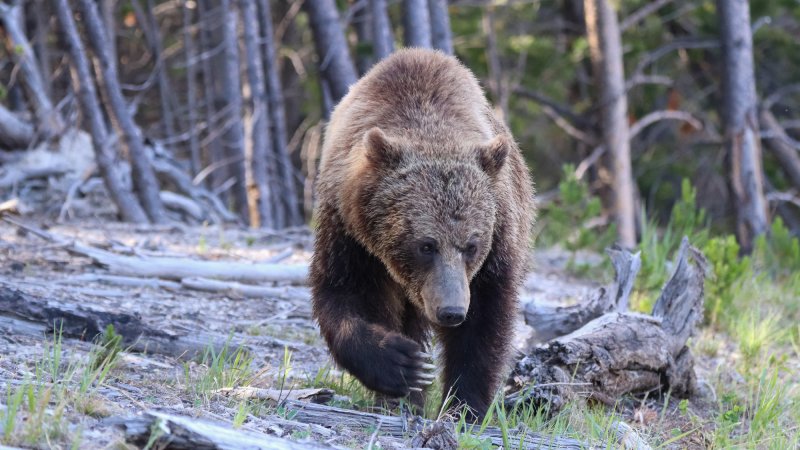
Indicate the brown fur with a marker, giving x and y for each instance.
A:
(414, 152)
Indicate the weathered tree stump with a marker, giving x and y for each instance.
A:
(619, 352)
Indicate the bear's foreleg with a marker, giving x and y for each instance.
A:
(475, 352)
(357, 317)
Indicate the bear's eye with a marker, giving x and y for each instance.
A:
(470, 250)
(427, 248)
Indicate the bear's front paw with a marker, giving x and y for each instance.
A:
(402, 367)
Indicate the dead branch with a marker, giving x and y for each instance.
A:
(14, 132)
(178, 268)
(127, 204)
(153, 283)
(635, 129)
(642, 13)
(781, 147)
(183, 204)
(144, 179)
(620, 353)
(550, 322)
(168, 172)
(176, 432)
(47, 117)
(34, 315)
(234, 289)
(406, 426)
(278, 395)
(657, 116)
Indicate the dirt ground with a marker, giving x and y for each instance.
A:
(269, 326)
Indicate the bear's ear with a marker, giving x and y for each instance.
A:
(380, 150)
(493, 154)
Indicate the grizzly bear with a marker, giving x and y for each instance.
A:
(424, 212)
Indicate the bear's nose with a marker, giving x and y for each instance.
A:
(451, 316)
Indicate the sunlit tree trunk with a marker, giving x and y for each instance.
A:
(740, 116)
(382, 38)
(129, 207)
(441, 37)
(145, 183)
(605, 46)
(287, 189)
(416, 23)
(334, 57)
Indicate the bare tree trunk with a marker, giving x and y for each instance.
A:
(191, 89)
(42, 14)
(259, 183)
(606, 50)
(742, 141)
(416, 23)
(782, 149)
(230, 83)
(48, 120)
(128, 205)
(152, 36)
(334, 58)
(441, 36)
(362, 22)
(277, 114)
(14, 132)
(496, 85)
(382, 38)
(144, 178)
(215, 150)
(107, 10)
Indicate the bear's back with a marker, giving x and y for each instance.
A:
(415, 94)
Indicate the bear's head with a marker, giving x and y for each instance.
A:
(430, 220)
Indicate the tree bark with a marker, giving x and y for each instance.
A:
(277, 114)
(144, 179)
(191, 89)
(497, 86)
(261, 197)
(334, 58)
(382, 37)
(620, 353)
(441, 36)
(742, 141)
(153, 39)
(184, 433)
(49, 122)
(784, 152)
(14, 132)
(128, 205)
(214, 146)
(230, 83)
(606, 52)
(416, 23)
(362, 23)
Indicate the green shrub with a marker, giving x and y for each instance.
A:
(727, 269)
(686, 219)
(567, 221)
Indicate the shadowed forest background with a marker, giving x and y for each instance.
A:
(229, 98)
(188, 133)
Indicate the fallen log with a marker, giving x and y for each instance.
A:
(166, 431)
(235, 289)
(405, 427)
(177, 268)
(32, 315)
(317, 395)
(549, 322)
(620, 353)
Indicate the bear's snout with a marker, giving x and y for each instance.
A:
(451, 316)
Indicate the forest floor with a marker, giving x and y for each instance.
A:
(65, 393)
